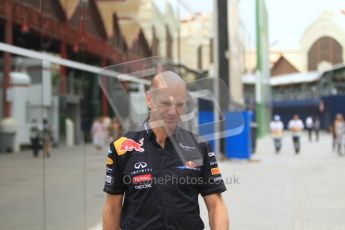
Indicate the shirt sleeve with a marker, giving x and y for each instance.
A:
(210, 172)
(113, 181)
(302, 125)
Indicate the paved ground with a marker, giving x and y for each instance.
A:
(285, 191)
(288, 191)
(70, 198)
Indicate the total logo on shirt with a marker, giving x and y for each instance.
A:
(142, 181)
(142, 178)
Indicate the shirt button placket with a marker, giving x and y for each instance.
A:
(165, 197)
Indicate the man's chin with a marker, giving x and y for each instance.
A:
(171, 125)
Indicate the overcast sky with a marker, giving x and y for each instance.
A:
(287, 18)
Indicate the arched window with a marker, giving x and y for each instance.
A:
(324, 49)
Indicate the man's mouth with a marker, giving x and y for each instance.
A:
(170, 120)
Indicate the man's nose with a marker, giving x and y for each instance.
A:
(172, 110)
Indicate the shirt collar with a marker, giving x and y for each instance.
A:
(147, 128)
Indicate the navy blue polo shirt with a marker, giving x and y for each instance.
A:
(161, 186)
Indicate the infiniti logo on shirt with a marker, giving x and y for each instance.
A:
(140, 165)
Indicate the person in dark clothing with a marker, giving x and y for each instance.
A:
(35, 138)
(309, 123)
(316, 127)
(148, 170)
(47, 137)
(296, 126)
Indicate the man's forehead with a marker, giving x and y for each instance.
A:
(166, 79)
(175, 90)
(169, 94)
(178, 98)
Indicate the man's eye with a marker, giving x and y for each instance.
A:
(165, 103)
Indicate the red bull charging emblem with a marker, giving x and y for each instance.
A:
(124, 144)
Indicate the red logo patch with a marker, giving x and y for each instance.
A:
(142, 178)
(129, 145)
(215, 171)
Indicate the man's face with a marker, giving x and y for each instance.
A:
(168, 105)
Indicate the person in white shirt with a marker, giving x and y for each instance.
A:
(309, 123)
(296, 126)
(339, 126)
(277, 128)
(99, 134)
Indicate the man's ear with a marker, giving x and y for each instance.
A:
(148, 99)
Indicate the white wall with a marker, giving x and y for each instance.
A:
(19, 104)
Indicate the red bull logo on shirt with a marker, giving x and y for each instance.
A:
(124, 144)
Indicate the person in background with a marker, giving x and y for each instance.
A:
(316, 127)
(35, 138)
(107, 123)
(99, 134)
(296, 126)
(332, 131)
(115, 129)
(339, 128)
(47, 138)
(309, 123)
(277, 128)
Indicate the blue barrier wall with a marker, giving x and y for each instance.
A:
(238, 146)
(205, 117)
(333, 105)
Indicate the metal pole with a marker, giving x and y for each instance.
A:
(71, 64)
(215, 78)
(258, 84)
(63, 54)
(103, 97)
(7, 59)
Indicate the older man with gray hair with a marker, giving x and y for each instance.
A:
(155, 172)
